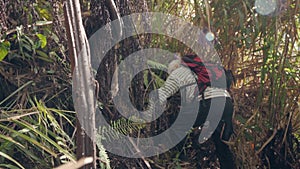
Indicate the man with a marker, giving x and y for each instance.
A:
(181, 76)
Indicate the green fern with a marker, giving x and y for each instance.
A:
(120, 126)
(105, 162)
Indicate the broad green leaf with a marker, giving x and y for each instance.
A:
(4, 49)
(43, 40)
(3, 52)
(45, 13)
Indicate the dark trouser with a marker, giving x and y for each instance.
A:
(223, 131)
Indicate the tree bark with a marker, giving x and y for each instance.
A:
(82, 77)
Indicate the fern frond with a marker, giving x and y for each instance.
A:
(121, 126)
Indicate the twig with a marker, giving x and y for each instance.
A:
(156, 165)
(267, 142)
(15, 92)
(248, 121)
(138, 151)
(287, 127)
(43, 23)
(17, 116)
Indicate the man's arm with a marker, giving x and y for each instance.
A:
(159, 98)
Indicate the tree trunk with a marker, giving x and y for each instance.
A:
(84, 102)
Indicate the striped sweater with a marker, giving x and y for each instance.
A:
(182, 78)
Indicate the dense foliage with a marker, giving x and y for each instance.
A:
(37, 120)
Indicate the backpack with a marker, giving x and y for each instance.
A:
(204, 71)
